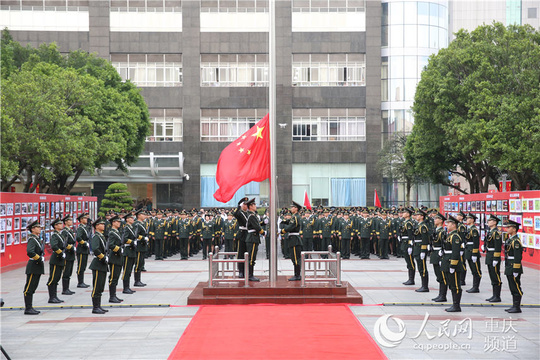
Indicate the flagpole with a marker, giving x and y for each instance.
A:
(272, 123)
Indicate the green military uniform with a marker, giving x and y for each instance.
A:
(493, 246)
(365, 235)
(306, 233)
(99, 268)
(230, 228)
(141, 247)
(130, 255)
(452, 267)
(346, 233)
(462, 230)
(185, 232)
(115, 261)
(207, 234)
(326, 227)
(254, 230)
(420, 249)
(265, 221)
(158, 233)
(438, 240)
(293, 228)
(69, 243)
(56, 264)
(242, 217)
(407, 240)
(83, 250)
(34, 269)
(385, 233)
(472, 255)
(513, 250)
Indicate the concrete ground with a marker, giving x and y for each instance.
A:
(412, 331)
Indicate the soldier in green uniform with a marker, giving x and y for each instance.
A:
(326, 224)
(365, 234)
(69, 246)
(385, 233)
(346, 233)
(513, 250)
(207, 234)
(83, 250)
(306, 233)
(98, 265)
(472, 252)
(420, 249)
(130, 255)
(293, 227)
(462, 230)
(435, 259)
(217, 229)
(158, 232)
(493, 246)
(141, 245)
(317, 229)
(34, 268)
(57, 261)
(185, 232)
(229, 232)
(254, 230)
(451, 263)
(407, 239)
(284, 237)
(241, 217)
(114, 246)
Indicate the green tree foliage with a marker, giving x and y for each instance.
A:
(477, 109)
(65, 115)
(117, 197)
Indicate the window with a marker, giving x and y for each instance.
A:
(149, 70)
(232, 70)
(232, 6)
(328, 5)
(532, 13)
(52, 5)
(147, 5)
(328, 70)
(329, 124)
(165, 125)
(228, 124)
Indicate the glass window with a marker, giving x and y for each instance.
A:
(232, 70)
(423, 13)
(396, 90)
(329, 125)
(434, 37)
(433, 14)
(165, 125)
(410, 89)
(149, 70)
(228, 124)
(423, 36)
(422, 62)
(384, 14)
(396, 36)
(328, 70)
(384, 36)
(410, 12)
(396, 13)
(396, 67)
(443, 38)
(410, 36)
(410, 67)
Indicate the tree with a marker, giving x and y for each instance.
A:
(477, 107)
(392, 163)
(117, 197)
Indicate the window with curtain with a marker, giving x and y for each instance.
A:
(234, 70)
(228, 124)
(348, 191)
(328, 70)
(209, 186)
(165, 125)
(149, 70)
(329, 124)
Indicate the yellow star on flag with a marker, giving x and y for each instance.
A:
(241, 150)
(249, 152)
(258, 134)
(244, 137)
(238, 143)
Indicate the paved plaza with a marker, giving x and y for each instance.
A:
(149, 331)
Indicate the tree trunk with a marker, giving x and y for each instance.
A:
(408, 192)
(73, 182)
(29, 174)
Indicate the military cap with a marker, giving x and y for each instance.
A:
(67, 218)
(513, 223)
(82, 216)
(33, 225)
(453, 219)
(472, 216)
(250, 202)
(296, 205)
(114, 218)
(183, 212)
(140, 211)
(98, 221)
(409, 210)
(243, 200)
(420, 212)
(159, 212)
(461, 213)
(128, 215)
(438, 215)
(493, 217)
(56, 221)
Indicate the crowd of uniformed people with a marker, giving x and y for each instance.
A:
(120, 243)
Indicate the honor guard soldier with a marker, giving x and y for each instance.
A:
(114, 247)
(493, 246)
(130, 254)
(293, 227)
(346, 233)
(308, 223)
(83, 250)
(462, 230)
(472, 252)
(253, 239)
(98, 265)
(34, 268)
(185, 233)
(385, 233)
(365, 234)
(438, 239)
(141, 245)
(326, 224)
(57, 261)
(240, 215)
(207, 234)
(229, 232)
(451, 263)
(265, 224)
(69, 246)
(407, 238)
(420, 249)
(158, 233)
(513, 251)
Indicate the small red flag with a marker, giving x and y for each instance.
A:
(376, 200)
(244, 160)
(306, 200)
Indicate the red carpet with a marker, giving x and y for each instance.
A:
(276, 332)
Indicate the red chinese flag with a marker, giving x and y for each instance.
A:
(246, 159)
(306, 200)
(376, 200)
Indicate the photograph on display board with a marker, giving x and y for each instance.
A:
(86, 206)
(42, 220)
(30, 208)
(499, 205)
(531, 205)
(53, 210)
(9, 239)
(530, 242)
(61, 206)
(35, 208)
(24, 208)
(42, 208)
(17, 209)
(483, 203)
(537, 223)
(16, 224)
(505, 205)
(68, 206)
(473, 206)
(493, 205)
(524, 205)
(9, 209)
(47, 237)
(24, 238)
(2, 224)
(512, 205)
(2, 209)
(16, 238)
(537, 241)
(488, 205)
(537, 205)
(2, 243)
(79, 206)
(9, 224)
(24, 223)
(527, 222)
(518, 205)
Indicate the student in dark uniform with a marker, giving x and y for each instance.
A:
(493, 246)
(451, 263)
(513, 251)
(83, 249)
(98, 265)
(293, 228)
(115, 257)
(69, 244)
(57, 261)
(254, 230)
(128, 241)
(34, 268)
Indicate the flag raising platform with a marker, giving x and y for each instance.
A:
(284, 292)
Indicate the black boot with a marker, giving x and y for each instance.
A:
(424, 287)
(463, 275)
(240, 270)
(296, 276)
(516, 308)
(65, 287)
(138, 282)
(456, 300)
(411, 278)
(492, 296)
(496, 294)
(476, 283)
(96, 309)
(52, 295)
(56, 292)
(127, 290)
(28, 309)
(443, 288)
(112, 295)
(251, 276)
(81, 284)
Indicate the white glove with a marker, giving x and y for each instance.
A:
(495, 262)
(63, 255)
(106, 259)
(135, 243)
(515, 274)
(409, 251)
(452, 270)
(121, 251)
(146, 238)
(483, 247)
(440, 263)
(422, 255)
(429, 247)
(441, 253)
(461, 253)
(266, 221)
(474, 258)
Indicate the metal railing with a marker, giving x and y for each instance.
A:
(223, 268)
(321, 266)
